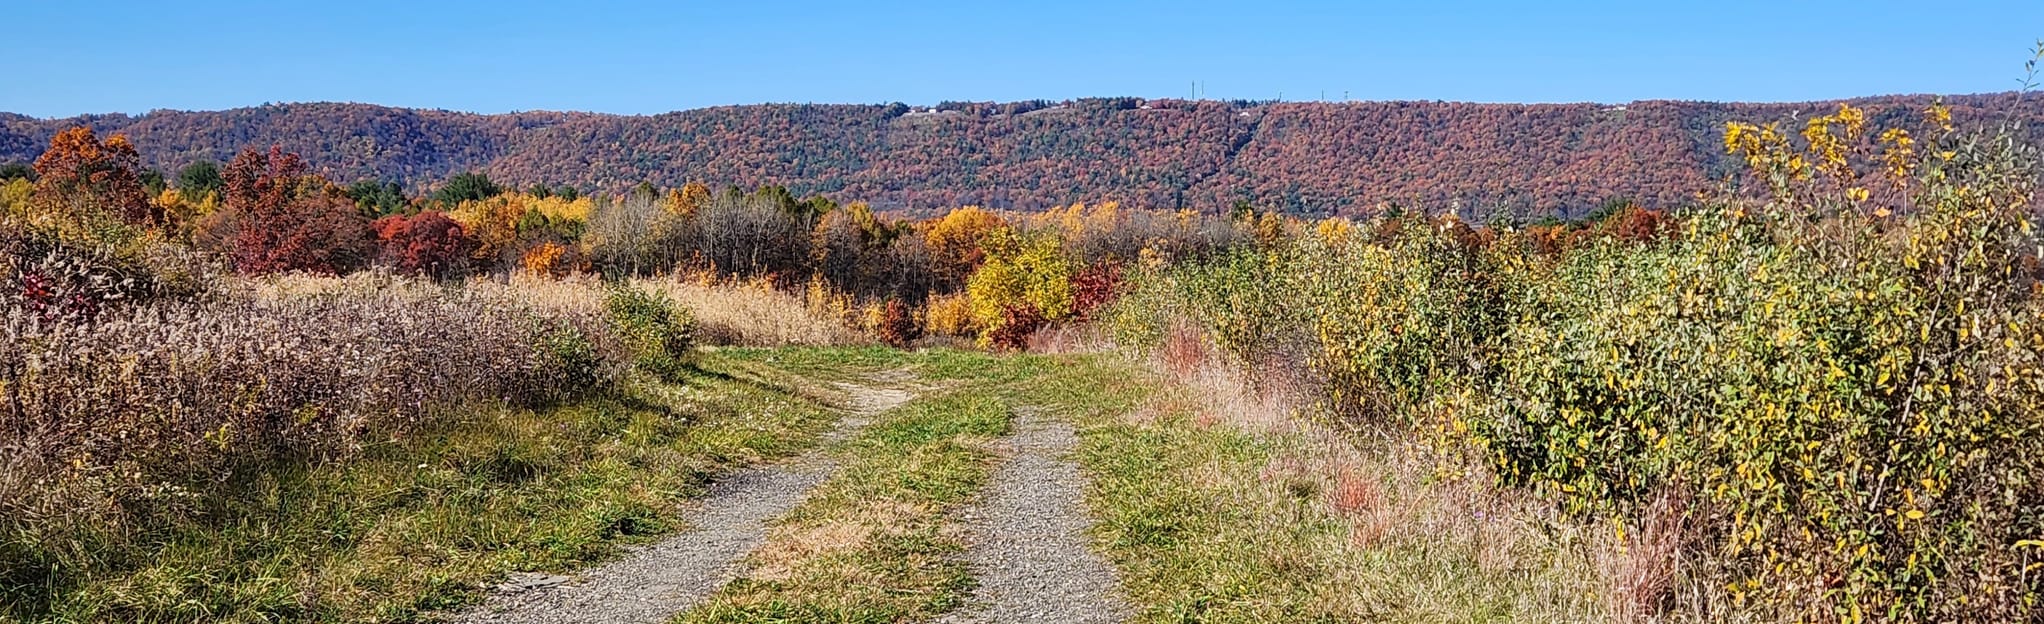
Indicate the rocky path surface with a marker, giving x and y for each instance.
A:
(1028, 543)
(653, 583)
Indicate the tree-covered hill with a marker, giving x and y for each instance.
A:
(1301, 157)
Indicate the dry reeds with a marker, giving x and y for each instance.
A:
(182, 392)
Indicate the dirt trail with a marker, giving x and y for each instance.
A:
(1028, 537)
(653, 583)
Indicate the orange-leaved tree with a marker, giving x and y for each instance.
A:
(80, 177)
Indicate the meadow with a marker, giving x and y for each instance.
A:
(1811, 393)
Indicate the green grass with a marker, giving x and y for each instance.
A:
(1188, 508)
(420, 524)
(1213, 522)
(1190, 551)
(879, 541)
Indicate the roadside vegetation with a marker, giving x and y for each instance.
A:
(1225, 503)
(1817, 403)
(1811, 394)
(414, 523)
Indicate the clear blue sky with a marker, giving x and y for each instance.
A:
(65, 58)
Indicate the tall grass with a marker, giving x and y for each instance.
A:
(135, 414)
(753, 313)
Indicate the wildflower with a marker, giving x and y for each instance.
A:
(1939, 115)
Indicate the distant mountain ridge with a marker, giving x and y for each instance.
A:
(1306, 157)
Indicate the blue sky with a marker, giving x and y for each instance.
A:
(649, 57)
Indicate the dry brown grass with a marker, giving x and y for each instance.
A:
(791, 546)
(1645, 560)
(753, 313)
(747, 312)
(138, 414)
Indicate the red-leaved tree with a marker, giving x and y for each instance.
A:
(286, 218)
(427, 243)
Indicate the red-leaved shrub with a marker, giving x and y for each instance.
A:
(1095, 287)
(427, 243)
(898, 326)
(1017, 323)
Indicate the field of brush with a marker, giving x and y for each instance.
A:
(1812, 394)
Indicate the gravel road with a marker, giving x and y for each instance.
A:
(1027, 537)
(653, 583)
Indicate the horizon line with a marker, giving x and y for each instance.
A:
(1231, 101)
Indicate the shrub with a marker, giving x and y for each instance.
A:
(570, 362)
(1095, 288)
(660, 332)
(1842, 385)
(1024, 277)
(427, 243)
(898, 325)
(1017, 323)
(55, 280)
(951, 315)
(550, 259)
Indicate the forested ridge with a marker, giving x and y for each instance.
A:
(1309, 158)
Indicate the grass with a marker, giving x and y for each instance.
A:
(753, 313)
(420, 524)
(1219, 507)
(879, 542)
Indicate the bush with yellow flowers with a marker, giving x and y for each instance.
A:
(1837, 369)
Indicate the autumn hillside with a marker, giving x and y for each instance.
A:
(1302, 157)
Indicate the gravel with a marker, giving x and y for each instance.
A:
(654, 583)
(1028, 544)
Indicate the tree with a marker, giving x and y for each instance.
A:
(495, 225)
(466, 186)
(837, 250)
(79, 176)
(199, 179)
(17, 171)
(377, 199)
(688, 199)
(153, 182)
(621, 234)
(955, 241)
(285, 218)
(427, 243)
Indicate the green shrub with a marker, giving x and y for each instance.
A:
(570, 364)
(1840, 381)
(661, 333)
